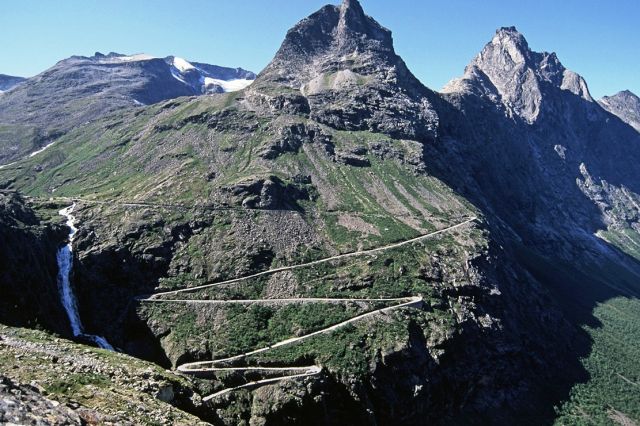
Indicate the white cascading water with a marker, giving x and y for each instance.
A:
(68, 299)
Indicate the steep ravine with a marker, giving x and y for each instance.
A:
(28, 267)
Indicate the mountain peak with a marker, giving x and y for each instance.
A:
(352, 6)
(623, 94)
(625, 105)
(508, 71)
(507, 48)
(334, 37)
(337, 54)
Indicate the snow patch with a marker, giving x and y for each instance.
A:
(227, 85)
(34, 153)
(182, 65)
(131, 58)
(176, 74)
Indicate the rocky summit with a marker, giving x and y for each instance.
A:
(343, 71)
(508, 71)
(625, 105)
(333, 244)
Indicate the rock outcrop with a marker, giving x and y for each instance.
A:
(28, 267)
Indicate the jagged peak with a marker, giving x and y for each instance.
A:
(352, 8)
(508, 48)
(340, 56)
(507, 70)
(333, 38)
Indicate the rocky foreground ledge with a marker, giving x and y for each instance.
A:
(51, 381)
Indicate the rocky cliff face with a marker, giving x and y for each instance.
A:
(28, 267)
(625, 105)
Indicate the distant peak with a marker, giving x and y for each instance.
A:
(627, 93)
(624, 104)
(623, 94)
(508, 70)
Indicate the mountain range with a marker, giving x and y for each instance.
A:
(469, 256)
(81, 89)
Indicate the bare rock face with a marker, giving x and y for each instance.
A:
(27, 240)
(625, 105)
(343, 64)
(510, 73)
(529, 113)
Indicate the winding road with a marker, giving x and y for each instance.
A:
(316, 262)
(206, 368)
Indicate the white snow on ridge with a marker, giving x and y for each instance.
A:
(228, 85)
(182, 65)
(131, 58)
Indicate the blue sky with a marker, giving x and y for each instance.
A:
(599, 39)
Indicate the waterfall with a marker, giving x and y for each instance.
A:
(68, 299)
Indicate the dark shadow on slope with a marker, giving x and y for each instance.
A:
(535, 209)
(28, 269)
